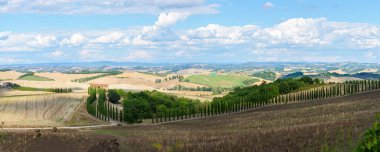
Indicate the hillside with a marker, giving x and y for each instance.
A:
(330, 124)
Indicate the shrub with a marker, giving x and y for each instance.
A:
(371, 141)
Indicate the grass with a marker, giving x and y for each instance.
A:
(35, 78)
(5, 79)
(56, 90)
(267, 75)
(81, 80)
(224, 81)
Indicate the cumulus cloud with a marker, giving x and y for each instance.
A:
(75, 39)
(160, 39)
(42, 40)
(161, 30)
(106, 6)
(320, 32)
(109, 38)
(268, 5)
(214, 33)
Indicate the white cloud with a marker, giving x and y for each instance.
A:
(268, 5)
(105, 6)
(307, 34)
(296, 31)
(42, 40)
(16, 42)
(109, 38)
(75, 39)
(320, 32)
(161, 30)
(214, 33)
(168, 19)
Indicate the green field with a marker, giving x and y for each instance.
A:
(267, 75)
(224, 81)
(35, 78)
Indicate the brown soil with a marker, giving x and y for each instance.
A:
(60, 141)
(331, 124)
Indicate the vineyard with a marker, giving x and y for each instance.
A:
(220, 106)
(266, 95)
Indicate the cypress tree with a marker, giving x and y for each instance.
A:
(170, 115)
(121, 115)
(165, 115)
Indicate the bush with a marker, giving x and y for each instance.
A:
(371, 141)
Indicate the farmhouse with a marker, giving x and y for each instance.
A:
(99, 86)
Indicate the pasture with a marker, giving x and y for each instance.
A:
(226, 81)
(35, 78)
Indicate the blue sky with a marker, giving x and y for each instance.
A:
(189, 31)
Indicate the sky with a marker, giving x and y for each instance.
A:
(182, 31)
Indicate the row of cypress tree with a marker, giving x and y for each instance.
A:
(100, 108)
(219, 107)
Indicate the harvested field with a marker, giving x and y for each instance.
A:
(60, 141)
(35, 78)
(341, 79)
(63, 77)
(52, 84)
(38, 110)
(10, 75)
(227, 81)
(138, 75)
(9, 92)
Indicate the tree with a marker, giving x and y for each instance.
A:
(113, 96)
(317, 81)
(307, 80)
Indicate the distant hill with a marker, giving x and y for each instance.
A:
(363, 75)
(367, 75)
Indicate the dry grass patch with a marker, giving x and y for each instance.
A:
(10, 75)
(38, 110)
(64, 77)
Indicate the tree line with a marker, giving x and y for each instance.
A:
(280, 91)
(174, 77)
(161, 107)
(215, 90)
(81, 80)
(55, 90)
